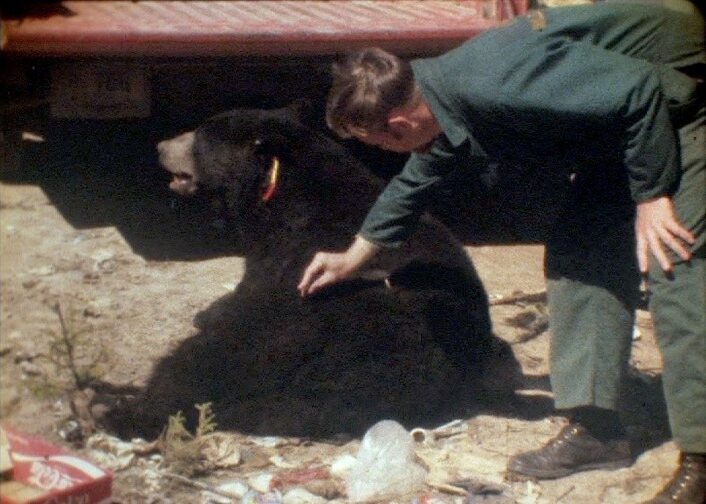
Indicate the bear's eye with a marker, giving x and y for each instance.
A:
(259, 147)
(260, 150)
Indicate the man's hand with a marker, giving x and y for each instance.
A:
(328, 268)
(656, 225)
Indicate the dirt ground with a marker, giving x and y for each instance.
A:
(97, 238)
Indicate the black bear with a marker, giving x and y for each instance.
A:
(409, 339)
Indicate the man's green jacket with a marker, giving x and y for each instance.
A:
(563, 88)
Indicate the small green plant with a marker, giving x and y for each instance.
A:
(206, 423)
(66, 345)
(76, 355)
(183, 449)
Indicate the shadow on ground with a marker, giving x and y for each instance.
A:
(107, 174)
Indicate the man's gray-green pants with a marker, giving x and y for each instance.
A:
(593, 290)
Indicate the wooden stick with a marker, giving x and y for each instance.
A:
(521, 297)
(446, 488)
(197, 484)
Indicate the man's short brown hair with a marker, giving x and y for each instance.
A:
(367, 85)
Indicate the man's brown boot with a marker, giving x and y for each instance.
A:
(688, 486)
(573, 450)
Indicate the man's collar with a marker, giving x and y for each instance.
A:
(451, 125)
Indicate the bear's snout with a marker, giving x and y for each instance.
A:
(176, 156)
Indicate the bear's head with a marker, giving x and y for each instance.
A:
(242, 147)
(270, 165)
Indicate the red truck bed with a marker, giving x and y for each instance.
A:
(248, 28)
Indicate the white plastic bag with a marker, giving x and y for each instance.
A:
(385, 465)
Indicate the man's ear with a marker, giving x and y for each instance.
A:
(400, 124)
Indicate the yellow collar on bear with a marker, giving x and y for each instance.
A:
(272, 183)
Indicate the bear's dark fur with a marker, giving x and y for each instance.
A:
(415, 348)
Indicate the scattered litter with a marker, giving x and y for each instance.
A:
(489, 499)
(386, 464)
(237, 488)
(221, 450)
(329, 488)
(299, 476)
(253, 497)
(278, 461)
(200, 485)
(531, 495)
(71, 431)
(211, 498)
(426, 436)
(343, 465)
(40, 472)
(115, 453)
(301, 496)
(272, 441)
(225, 493)
(151, 480)
(429, 499)
(447, 488)
(261, 482)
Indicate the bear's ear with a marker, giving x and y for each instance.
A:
(303, 110)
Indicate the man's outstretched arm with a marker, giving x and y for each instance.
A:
(327, 268)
